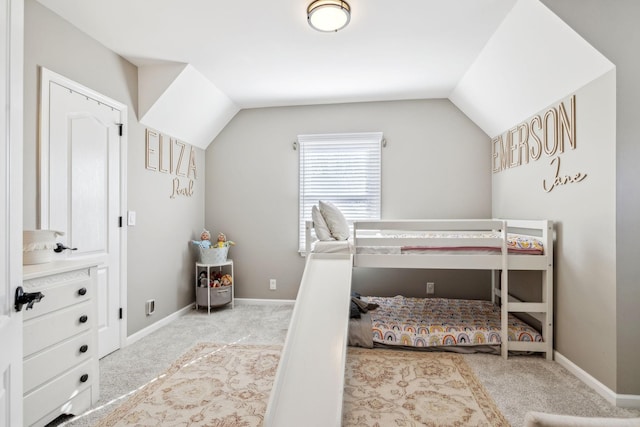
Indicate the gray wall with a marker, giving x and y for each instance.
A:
(584, 213)
(436, 165)
(160, 261)
(612, 28)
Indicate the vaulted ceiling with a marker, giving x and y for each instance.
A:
(201, 61)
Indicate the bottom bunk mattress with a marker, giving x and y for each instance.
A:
(435, 323)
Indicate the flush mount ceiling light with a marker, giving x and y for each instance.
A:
(328, 15)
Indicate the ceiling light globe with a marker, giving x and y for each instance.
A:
(328, 15)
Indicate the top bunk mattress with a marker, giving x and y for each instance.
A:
(455, 243)
(436, 243)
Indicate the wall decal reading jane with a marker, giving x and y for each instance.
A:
(168, 155)
(550, 134)
(561, 180)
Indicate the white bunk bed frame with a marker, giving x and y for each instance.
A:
(502, 261)
(288, 406)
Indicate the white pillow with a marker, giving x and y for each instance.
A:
(335, 220)
(320, 225)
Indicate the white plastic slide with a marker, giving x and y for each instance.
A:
(309, 383)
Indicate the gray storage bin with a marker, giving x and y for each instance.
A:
(219, 296)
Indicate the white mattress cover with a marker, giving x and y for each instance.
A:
(345, 246)
(333, 247)
(441, 241)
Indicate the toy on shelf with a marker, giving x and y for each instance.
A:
(226, 280)
(215, 253)
(223, 242)
(216, 280)
(205, 240)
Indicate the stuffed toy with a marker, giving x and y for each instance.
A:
(226, 280)
(203, 279)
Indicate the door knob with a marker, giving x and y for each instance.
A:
(28, 298)
(60, 247)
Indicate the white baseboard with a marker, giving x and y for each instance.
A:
(257, 301)
(621, 400)
(159, 324)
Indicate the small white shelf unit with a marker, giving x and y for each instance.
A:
(220, 295)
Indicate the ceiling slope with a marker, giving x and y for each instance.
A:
(179, 101)
(531, 61)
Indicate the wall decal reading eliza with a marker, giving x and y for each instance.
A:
(550, 134)
(168, 155)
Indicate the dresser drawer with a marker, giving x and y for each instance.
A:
(45, 365)
(63, 390)
(60, 290)
(43, 331)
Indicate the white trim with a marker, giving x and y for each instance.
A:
(159, 324)
(619, 400)
(259, 301)
(124, 208)
(11, 224)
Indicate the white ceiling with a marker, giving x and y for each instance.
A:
(263, 53)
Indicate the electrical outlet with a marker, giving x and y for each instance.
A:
(272, 284)
(431, 288)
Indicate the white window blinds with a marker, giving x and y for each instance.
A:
(344, 169)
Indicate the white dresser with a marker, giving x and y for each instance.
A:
(60, 341)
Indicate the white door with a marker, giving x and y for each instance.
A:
(11, 21)
(80, 148)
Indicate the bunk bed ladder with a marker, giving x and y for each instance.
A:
(541, 311)
(504, 295)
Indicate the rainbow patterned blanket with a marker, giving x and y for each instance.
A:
(422, 322)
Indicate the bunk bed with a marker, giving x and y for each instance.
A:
(496, 245)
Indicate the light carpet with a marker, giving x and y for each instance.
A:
(229, 385)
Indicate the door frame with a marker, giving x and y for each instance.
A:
(47, 77)
(11, 130)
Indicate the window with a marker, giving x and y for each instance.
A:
(344, 169)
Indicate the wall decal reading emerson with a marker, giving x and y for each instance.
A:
(168, 155)
(550, 134)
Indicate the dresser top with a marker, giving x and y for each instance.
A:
(34, 271)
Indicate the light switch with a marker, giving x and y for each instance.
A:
(131, 218)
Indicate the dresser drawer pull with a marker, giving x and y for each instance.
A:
(84, 348)
(82, 291)
(83, 318)
(84, 378)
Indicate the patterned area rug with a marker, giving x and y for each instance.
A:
(228, 386)
(387, 387)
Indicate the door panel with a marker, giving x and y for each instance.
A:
(81, 189)
(11, 48)
(89, 185)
